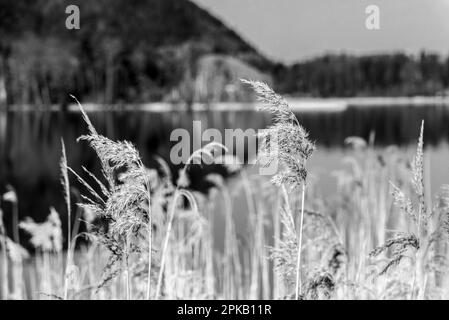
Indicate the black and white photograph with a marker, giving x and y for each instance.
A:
(224, 150)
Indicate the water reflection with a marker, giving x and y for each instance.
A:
(30, 140)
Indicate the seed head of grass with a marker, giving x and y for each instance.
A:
(284, 256)
(418, 179)
(122, 203)
(398, 245)
(285, 142)
(404, 203)
(320, 285)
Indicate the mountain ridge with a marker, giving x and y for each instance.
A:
(135, 50)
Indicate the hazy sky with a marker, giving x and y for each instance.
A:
(290, 30)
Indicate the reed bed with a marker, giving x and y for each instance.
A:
(150, 236)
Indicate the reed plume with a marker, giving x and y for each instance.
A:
(123, 203)
(287, 143)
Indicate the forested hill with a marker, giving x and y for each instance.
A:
(172, 50)
(392, 74)
(130, 50)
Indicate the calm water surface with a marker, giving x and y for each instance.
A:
(30, 142)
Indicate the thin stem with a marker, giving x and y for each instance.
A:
(298, 262)
(4, 277)
(150, 239)
(69, 256)
(277, 283)
(150, 249)
(254, 221)
(167, 238)
(128, 285)
(76, 224)
(16, 222)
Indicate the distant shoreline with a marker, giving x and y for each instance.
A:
(297, 104)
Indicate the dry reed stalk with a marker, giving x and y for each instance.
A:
(165, 244)
(195, 157)
(119, 202)
(232, 254)
(209, 253)
(419, 239)
(292, 149)
(254, 221)
(277, 283)
(66, 188)
(150, 249)
(298, 263)
(4, 276)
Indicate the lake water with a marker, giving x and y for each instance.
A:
(30, 140)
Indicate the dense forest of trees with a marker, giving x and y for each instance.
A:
(147, 50)
(372, 75)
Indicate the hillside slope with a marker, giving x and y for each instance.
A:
(125, 50)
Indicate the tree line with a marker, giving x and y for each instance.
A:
(396, 74)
